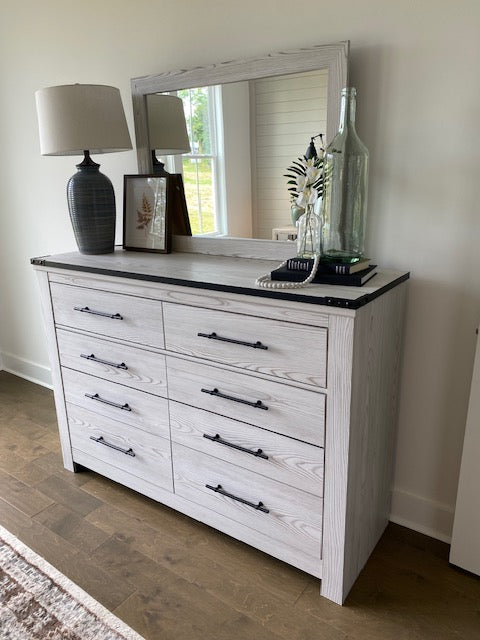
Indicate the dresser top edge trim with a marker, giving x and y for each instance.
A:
(299, 296)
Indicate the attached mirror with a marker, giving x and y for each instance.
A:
(247, 121)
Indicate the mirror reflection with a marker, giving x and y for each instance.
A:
(243, 136)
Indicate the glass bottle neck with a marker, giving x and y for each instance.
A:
(347, 108)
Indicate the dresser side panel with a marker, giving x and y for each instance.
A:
(337, 434)
(53, 355)
(376, 367)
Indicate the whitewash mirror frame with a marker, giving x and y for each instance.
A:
(330, 57)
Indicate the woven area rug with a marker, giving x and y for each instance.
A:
(37, 602)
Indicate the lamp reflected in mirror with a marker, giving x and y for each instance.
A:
(168, 136)
(167, 129)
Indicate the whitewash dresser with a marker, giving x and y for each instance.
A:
(269, 415)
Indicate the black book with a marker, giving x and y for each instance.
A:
(353, 280)
(340, 268)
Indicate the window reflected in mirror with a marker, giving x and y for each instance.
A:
(201, 167)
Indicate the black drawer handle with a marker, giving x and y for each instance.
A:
(218, 489)
(215, 392)
(114, 316)
(213, 336)
(96, 397)
(122, 365)
(216, 438)
(101, 440)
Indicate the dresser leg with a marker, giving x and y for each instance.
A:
(78, 468)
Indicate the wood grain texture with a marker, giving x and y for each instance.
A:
(284, 310)
(147, 412)
(151, 456)
(377, 357)
(340, 362)
(137, 319)
(22, 496)
(60, 490)
(180, 609)
(156, 532)
(349, 381)
(290, 461)
(213, 273)
(294, 518)
(296, 413)
(238, 530)
(54, 357)
(145, 370)
(407, 589)
(361, 417)
(295, 352)
(332, 57)
(235, 247)
(71, 526)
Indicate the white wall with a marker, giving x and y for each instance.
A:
(415, 66)
(236, 148)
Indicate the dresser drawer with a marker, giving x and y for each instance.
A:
(293, 412)
(285, 514)
(118, 402)
(132, 450)
(113, 315)
(286, 350)
(269, 454)
(118, 363)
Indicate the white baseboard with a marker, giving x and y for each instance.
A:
(434, 519)
(27, 369)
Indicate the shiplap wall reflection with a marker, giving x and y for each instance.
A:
(287, 112)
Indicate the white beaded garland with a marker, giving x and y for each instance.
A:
(266, 282)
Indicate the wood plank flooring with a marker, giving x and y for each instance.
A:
(172, 578)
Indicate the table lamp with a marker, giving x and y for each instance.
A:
(167, 129)
(82, 119)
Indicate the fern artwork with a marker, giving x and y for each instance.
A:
(145, 214)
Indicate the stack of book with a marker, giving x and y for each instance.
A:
(355, 274)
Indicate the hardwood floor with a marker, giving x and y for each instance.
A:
(170, 577)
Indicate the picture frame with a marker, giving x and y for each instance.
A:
(146, 224)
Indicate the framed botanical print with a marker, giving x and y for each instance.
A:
(145, 219)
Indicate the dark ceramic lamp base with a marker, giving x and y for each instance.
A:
(91, 202)
(158, 168)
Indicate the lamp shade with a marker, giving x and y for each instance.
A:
(76, 117)
(166, 124)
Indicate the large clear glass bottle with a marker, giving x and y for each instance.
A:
(345, 190)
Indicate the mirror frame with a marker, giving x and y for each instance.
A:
(332, 57)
